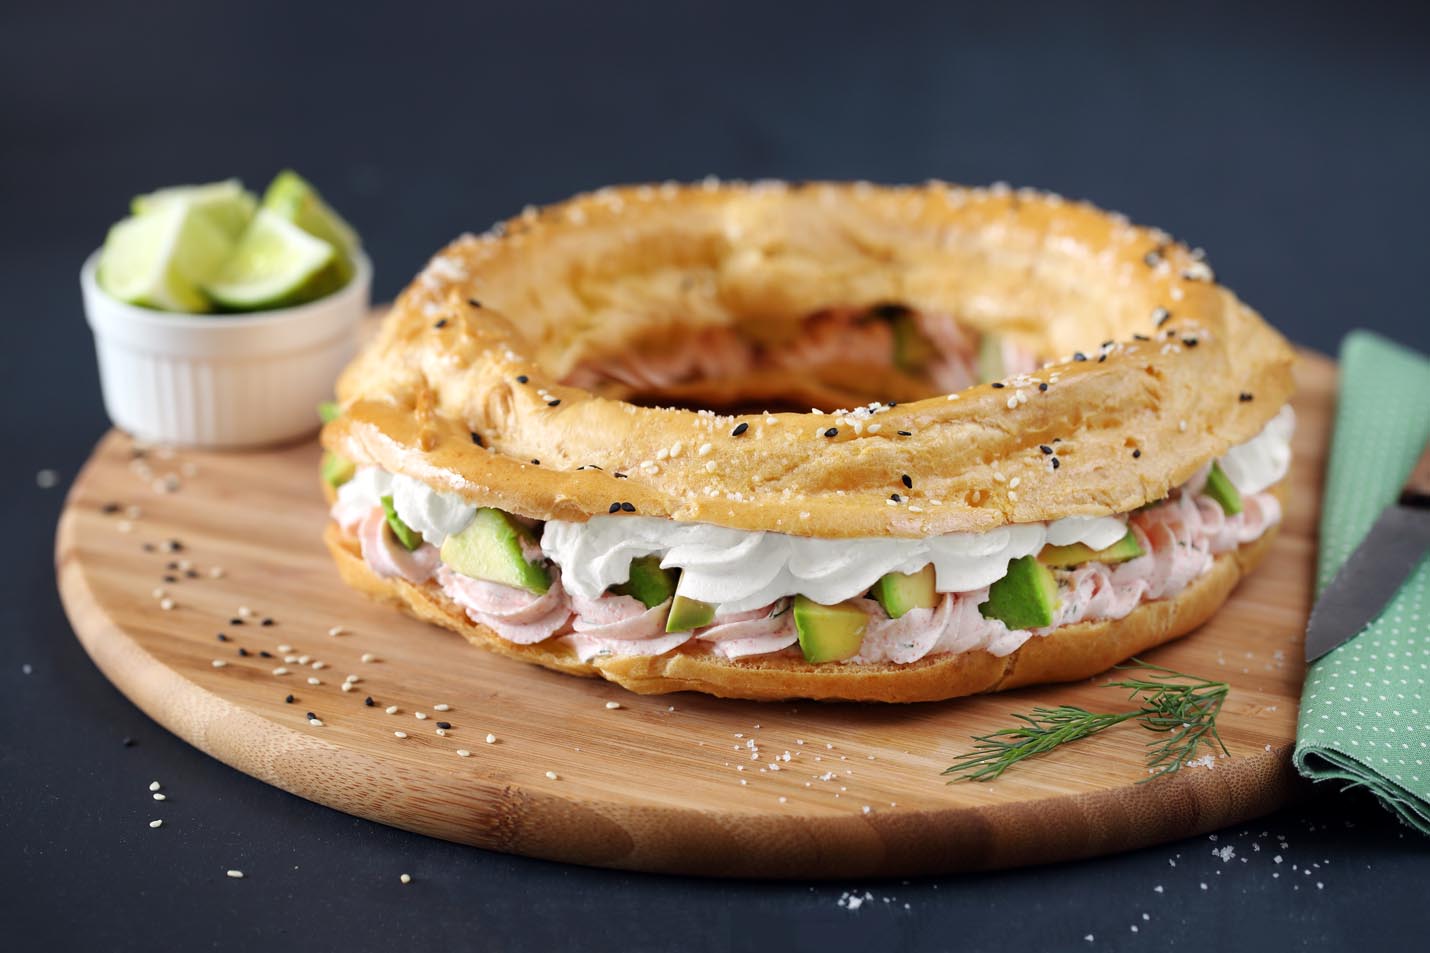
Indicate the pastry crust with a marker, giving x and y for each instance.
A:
(1069, 653)
(1164, 371)
(605, 271)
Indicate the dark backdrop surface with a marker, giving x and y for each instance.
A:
(1292, 144)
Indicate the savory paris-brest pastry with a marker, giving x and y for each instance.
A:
(1045, 440)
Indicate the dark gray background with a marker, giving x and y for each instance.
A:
(1293, 145)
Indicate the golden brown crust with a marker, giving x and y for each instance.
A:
(1069, 653)
(603, 271)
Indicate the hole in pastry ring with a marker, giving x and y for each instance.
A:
(478, 343)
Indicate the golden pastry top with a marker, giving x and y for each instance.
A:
(1163, 370)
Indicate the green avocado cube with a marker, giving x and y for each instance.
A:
(1220, 488)
(406, 535)
(1026, 598)
(1062, 557)
(687, 614)
(829, 633)
(489, 548)
(648, 582)
(898, 592)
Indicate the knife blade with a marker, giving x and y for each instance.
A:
(1371, 576)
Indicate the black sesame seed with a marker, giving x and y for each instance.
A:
(832, 432)
(1245, 397)
(896, 498)
(191, 573)
(171, 578)
(1136, 454)
(522, 378)
(127, 742)
(1045, 448)
(444, 725)
(1056, 464)
(1108, 343)
(312, 717)
(148, 547)
(1079, 356)
(109, 509)
(171, 565)
(1161, 316)
(998, 385)
(618, 474)
(264, 653)
(1189, 342)
(175, 546)
(441, 324)
(243, 652)
(477, 439)
(235, 621)
(615, 508)
(628, 507)
(553, 403)
(740, 428)
(288, 700)
(221, 637)
(474, 302)
(267, 621)
(908, 481)
(368, 701)
(905, 433)
(1101, 358)
(1057, 440)
(1140, 337)
(1043, 385)
(535, 462)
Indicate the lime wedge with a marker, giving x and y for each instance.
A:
(161, 259)
(227, 204)
(276, 264)
(290, 196)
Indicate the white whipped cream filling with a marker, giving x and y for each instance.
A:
(739, 570)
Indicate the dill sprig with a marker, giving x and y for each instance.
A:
(1182, 708)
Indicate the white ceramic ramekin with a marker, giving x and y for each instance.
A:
(222, 381)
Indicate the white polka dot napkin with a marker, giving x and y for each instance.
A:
(1365, 708)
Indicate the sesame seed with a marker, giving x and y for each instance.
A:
(346, 686)
(554, 403)
(613, 705)
(463, 753)
(288, 699)
(369, 657)
(614, 508)
(1042, 385)
(280, 670)
(522, 378)
(908, 481)
(998, 385)
(1161, 316)
(285, 648)
(337, 630)
(1047, 450)
(318, 665)
(154, 785)
(406, 878)
(444, 725)
(441, 323)
(391, 709)
(894, 497)
(368, 701)
(420, 715)
(740, 428)
(166, 604)
(235, 874)
(442, 707)
(1056, 464)
(491, 739)
(219, 663)
(1245, 397)
(156, 823)
(477, 438)
(1136, 454)
(628, 507)
(312, 680)
(1079, 356)
(315, 722)
(399, 734)
(351, 679)
(905, 433)
(551, 776)
(832, 432)
(159, 796)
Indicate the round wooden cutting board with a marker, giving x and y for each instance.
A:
(159, 553)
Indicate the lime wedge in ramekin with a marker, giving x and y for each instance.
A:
(159, 260)
(276, 264)
(227, 204)
(290, 196)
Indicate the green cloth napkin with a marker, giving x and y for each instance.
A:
(1365, 708)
